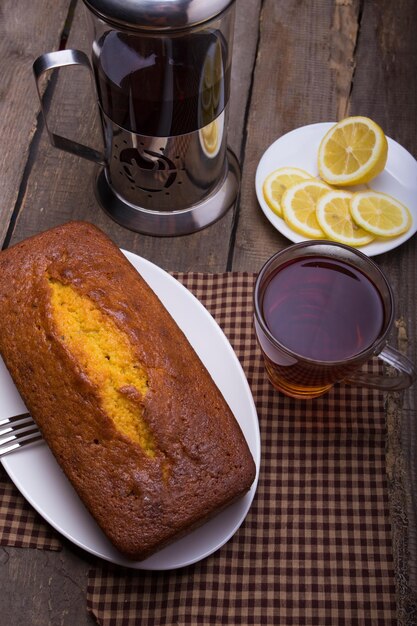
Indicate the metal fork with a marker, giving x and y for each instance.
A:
(16, 432)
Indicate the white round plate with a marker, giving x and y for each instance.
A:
(39, 478)
(299, 148)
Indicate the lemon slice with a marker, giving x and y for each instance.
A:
(333, 215)
(380, 214)
(278, 182)
(299, 207)
(352, 152)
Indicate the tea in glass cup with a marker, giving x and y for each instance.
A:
(322, 310)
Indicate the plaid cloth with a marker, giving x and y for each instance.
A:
(20, 525)
(315, 548)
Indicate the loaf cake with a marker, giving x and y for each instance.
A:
(123, 401)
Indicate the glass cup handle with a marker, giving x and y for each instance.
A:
(406, 373)
(51, 61)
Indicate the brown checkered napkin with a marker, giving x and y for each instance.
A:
(315, 548)
(20, 525)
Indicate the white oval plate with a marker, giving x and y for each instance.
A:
(39, 478)
(299, 147)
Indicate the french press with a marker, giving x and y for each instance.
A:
(162, 77)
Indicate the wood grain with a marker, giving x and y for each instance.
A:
(21, 41)
(385, 88)
(42, 588)
(305, 49)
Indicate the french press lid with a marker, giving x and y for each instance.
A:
(157, 14)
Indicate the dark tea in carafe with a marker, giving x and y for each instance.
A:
(161, 86)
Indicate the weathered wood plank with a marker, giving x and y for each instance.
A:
(60, 185)
(385, 88)
(305, 51)
(22, 39)
(385, 82)
(43, 588)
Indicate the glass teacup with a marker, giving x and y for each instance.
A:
(321, 311)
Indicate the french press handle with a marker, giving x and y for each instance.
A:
(51, 61)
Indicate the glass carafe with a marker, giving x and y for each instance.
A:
(162, 79)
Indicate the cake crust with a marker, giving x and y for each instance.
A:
(200, 461)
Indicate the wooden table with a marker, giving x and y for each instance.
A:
(295, 62)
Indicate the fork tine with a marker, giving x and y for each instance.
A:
(17, 431)
(19, 443)
(16, 424)
(16, 419)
